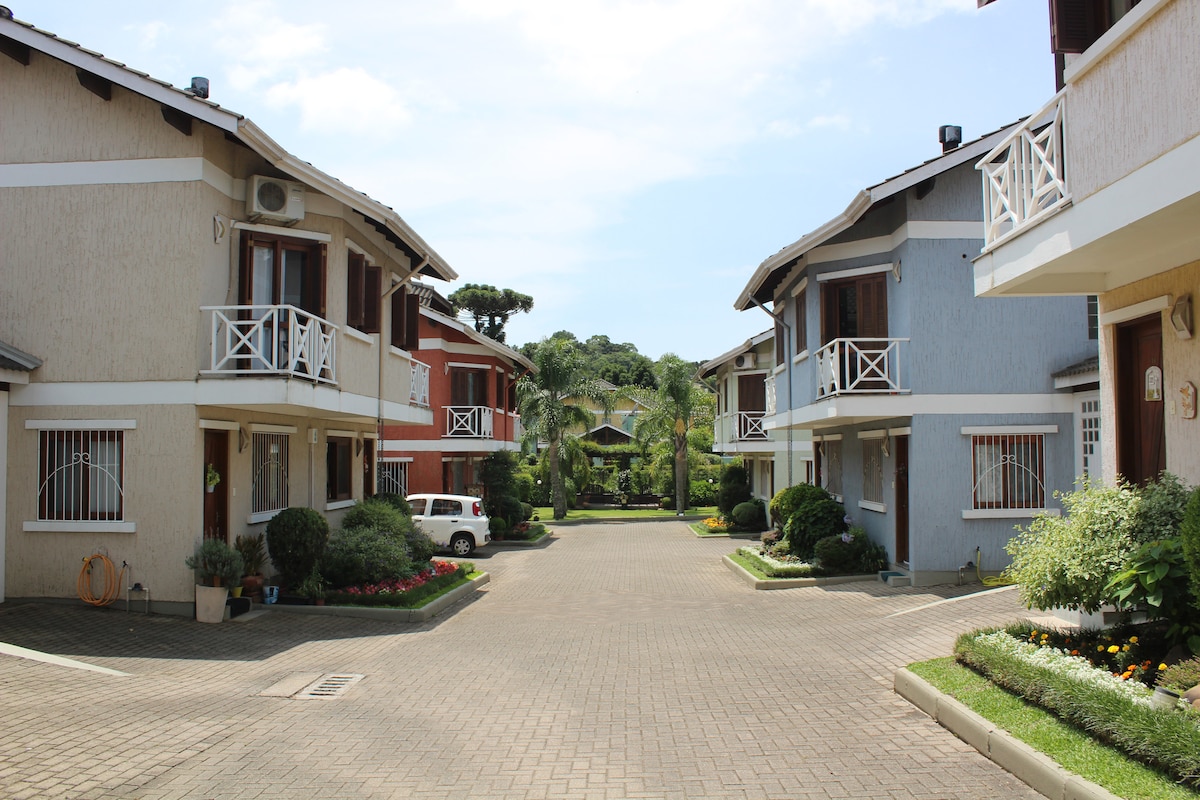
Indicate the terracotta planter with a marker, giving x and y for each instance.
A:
(210, 603)
(252, 586)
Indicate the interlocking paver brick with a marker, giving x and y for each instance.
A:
(621, 661)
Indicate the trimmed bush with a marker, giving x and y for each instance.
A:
(750, 516)
(296, 539)
(381, 516)
(786, 501)
(365, 555)
(666, 503)
(498, 526)
(735, 488)
(851, 553)
(818, 517)
(395, 501)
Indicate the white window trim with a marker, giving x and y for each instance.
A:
(1008, 513)
(339, 504)
(355, 333)
(853, 273)
(1142, 309)
(262, 516)
(800, 287)
(80, 424)
(79, 526)
(261, 427)
(801, 356)
(277, 230)
(828, 437)
(396, 459)
(1004, 430)
(870, 506)
(880, 433)
(341, 434)
(218, 425)
(469, 365)
(899, 431)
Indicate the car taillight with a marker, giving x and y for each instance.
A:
(477, 508)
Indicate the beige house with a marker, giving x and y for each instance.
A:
(212, 329)
(1098, 194)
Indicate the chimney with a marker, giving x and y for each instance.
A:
(950, 136)
(200, 88)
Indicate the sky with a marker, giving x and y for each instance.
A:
(627, 163)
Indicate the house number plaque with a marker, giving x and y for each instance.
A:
(1188, 401)
(1154, 384)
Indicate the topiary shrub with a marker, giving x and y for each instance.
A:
(296, 538)
(786, 501)
(851, 553)
(526, 512)
(359, 555)
(735, 488)
(1189, 535)
(395, 501)
(818, 517)
(750, 516)
(666, 503)
(498, 527)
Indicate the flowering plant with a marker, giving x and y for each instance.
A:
(402, 585)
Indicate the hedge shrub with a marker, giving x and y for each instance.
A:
(295, 541)
(735, 488)
(750, 516)
(817, 518)
(357, 555)
(851, 553)
(786, 501)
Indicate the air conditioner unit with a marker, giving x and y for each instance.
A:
(274, 199)
(744, 361)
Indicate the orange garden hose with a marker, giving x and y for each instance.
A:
(112, 581)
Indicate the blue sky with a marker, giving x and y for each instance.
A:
(628, 164)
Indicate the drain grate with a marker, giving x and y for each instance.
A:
(328, 687)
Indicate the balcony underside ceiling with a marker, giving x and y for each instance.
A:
(840, 412)
(295, 398)
(1143, 225)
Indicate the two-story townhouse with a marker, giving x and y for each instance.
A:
(221, 327)
(743, 380)
(1098, 194)
(467, 379)
(933, 414)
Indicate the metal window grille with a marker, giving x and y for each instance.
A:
(82, 475)
(872, 470)
(1009, 471)
(269, 491)
(392, 477)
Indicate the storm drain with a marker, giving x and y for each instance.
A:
(328, 687)
(310, 686)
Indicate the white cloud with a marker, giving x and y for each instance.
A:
(346, 100)
(148, 33)
(262, 42)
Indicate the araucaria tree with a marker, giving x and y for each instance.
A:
(490, 307)
(678, 406)
(547, 416)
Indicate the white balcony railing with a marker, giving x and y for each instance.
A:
(282, 340)
(469, 422)
(750, 426)
(859, 366)
(1024, 177)
(418, 392)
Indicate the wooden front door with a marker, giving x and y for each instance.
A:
(901, 448)
(1140, 388)
(216, 502)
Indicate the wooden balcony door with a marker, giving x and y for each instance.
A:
(854, 308)
(1140, 389)
(468, 387)
(216, 502)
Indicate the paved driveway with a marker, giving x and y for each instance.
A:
(621, 661)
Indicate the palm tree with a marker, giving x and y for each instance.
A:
(545, 413)
(676, 408)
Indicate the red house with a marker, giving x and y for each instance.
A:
(468, 380)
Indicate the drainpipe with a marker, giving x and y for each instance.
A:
(384, 346)
(787, 360)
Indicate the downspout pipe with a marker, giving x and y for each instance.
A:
(787, 360)
(383, 346)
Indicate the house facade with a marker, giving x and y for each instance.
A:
(221, 327)
(934, 414)
(743, 380)
(468, 384)
(1098, 194)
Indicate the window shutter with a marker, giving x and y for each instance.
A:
(801, 322)
(355, 272)
(322, 260)
(398, 326)
(1074, 25)
(872, 307)
(412, 322)
(247, 268)
(829, 313)
(780, 342)
(372, 289)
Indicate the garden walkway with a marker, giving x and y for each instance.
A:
(621, 661)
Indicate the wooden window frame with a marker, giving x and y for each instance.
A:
(800, 321)
(339, 468)
(315, 279)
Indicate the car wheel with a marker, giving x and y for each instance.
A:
(462, 545)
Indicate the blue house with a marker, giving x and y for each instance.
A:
(935, 416)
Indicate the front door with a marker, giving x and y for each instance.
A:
(216, 499)
(1141, 441)
(901, 448)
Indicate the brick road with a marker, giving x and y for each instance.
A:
(621, 661)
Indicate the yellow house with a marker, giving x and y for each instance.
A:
(207, 329)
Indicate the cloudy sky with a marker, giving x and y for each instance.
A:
(628, 163)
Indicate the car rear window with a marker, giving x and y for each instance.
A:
(445, 508)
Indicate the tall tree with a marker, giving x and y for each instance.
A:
(546, 414)
(677, 407)
(490, 307)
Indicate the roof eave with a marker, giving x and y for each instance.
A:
(503, 349)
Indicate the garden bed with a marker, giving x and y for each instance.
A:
(759, 581)
(432, 606)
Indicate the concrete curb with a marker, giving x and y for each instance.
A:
(790, 583)
(422, 614)
(1041, 772)
(517, 544)
(620, 521)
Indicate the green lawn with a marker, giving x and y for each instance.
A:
(1069, 746)
(547, 514)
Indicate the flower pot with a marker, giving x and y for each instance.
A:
(210, 489)
(210, 603)
(236, 591)
(252, 586)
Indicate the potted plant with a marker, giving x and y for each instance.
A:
(218, 566)
(253, 549)
(313, 587)
(211, 478)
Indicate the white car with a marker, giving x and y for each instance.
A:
(455, 521)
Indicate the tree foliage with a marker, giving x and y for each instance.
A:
(618, 363)
(489, 307)
(674, 410)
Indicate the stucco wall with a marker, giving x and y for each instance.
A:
(1181, 363)
(1137, 103)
